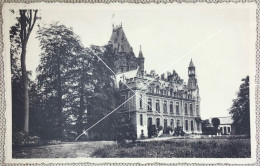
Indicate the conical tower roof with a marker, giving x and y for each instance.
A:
(119, 41)
(140, 53)
(191, 64)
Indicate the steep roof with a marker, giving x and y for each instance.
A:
(191, 64)
(140, 53)
(119, 40)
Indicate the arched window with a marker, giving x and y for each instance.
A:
(178, 122)
(198, 126)
(141, 119)
(171, 107)
(191, 125)
(141, 101)
(150, 90)
(186, 125)
(158, 105)
(177, 108)
(165, 106)
(157, 90)
(172, 123)
(157, 122)
(175, 94)
(150, 122)
(149, 104)
(171, 91)
(197, 110)
(186, 108)
(185, 95)
(191, 110)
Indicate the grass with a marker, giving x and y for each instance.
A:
(173, 148)
(179, 148)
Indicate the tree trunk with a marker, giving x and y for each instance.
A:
(25, 89)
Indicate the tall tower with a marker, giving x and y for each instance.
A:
(126, 57)
(192, 82)
(140, 61)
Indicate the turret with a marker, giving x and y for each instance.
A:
(192, 81)
(140, 61)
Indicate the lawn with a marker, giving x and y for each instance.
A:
(178, 148)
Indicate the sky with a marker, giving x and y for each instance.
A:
(217, 38)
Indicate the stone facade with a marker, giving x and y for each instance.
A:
(152, 99)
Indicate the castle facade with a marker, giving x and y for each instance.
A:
(164, 101)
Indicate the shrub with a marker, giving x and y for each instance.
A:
(159, 128)
(23, 139)
(168, 129)
(178, 131)
(152, 131)
(125, 132)
(210, 131)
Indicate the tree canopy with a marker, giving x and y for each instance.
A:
(240, 109)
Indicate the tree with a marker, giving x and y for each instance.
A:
(60, 47)
(204, 125)
(240, 109)
(106, 96)
(27, 21)
(215, 122)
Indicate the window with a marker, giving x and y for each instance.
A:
(157, 105)
(150, 90)
(149, 104)
(198, 127)
(161, 92)
(186, 108)
(150, 121)
(171, 107)
(157, 90)
(165, 124)
(172, 123)
(191, 110)
(228, 129)
(186, 125)
(177, 109)
(165, 106)
(197, 110)
(175, 94)
(185, 95)
(141, 119)
(191, 125)
(157, 122)
(141, 101)
(178, 122)
(171, 92)
(165, 92)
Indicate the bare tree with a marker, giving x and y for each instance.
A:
(27, 21)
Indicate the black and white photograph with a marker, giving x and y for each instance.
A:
(130, 82)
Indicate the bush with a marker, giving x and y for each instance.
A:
(178, 131)
(152, 131)
(210, 131)
(23, 139)
(168, 129)
(125, 132)
(159, 128)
